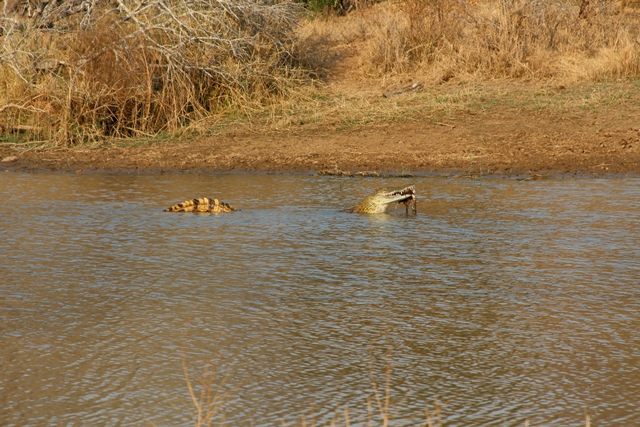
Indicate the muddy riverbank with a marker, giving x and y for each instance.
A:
(496, 141)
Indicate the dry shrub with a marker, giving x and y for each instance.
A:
(470, 40)
(339, 7)
(124, 68)
(77, 71)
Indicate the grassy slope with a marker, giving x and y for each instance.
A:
(488, 56)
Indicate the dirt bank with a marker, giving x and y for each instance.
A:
(495, 141)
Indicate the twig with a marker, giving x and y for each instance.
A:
(445, 124)
(410, 88)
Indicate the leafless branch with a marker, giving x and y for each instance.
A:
(134, 67)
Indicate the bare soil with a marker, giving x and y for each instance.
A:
(495, 141)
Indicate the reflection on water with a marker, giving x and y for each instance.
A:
(507, 300)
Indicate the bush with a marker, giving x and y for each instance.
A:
(124, 68)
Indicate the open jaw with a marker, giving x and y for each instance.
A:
(381, 199)
(402, 195)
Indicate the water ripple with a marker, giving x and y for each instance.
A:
(507, 300)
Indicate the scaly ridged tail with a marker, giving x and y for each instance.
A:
(203, 204)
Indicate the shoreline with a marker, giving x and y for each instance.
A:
(497, 142)
(444, 174)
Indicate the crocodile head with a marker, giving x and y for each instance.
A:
(381, 199)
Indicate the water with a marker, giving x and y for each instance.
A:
(504, 300)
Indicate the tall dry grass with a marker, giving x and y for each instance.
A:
(73, 72)
(128, 68)
(480, 40)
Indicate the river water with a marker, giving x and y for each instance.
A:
(500, 301)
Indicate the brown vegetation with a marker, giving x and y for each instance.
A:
(123, 68)
(463, 41)
(213, 73)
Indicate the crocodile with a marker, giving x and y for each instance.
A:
(381, 199)
(203, 204)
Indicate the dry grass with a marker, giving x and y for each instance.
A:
(123, 68)
(475, 41)
(208, 404)
(126, 69)
(206, 396)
